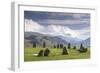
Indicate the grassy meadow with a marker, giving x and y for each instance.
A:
(55, 54)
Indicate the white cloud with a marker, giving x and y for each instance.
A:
(81, 16)
(33, 26)
(64, 22)
(55, 30)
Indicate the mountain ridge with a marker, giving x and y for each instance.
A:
(50, 40)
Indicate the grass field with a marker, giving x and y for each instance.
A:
(55, 54)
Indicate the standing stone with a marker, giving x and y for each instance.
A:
(74, 47)
(40, 53)
(82, 49)
(46, 52)
(65, 52)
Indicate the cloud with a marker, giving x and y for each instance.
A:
(83, 33)
(38, 15)
(64, 22)
(81, 16)
(33, 26)
(56, 30)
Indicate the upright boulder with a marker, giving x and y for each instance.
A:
(69, 46)
(82, 49)
(65, 51)
(74, 47)
(40, 53)
(46, 52)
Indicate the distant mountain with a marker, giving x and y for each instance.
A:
(70, 39)
(34, 37)
(86, 42)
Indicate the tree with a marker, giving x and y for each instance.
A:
(69, 45)
(44, 44)
(34, 45)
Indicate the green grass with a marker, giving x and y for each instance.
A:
(55, 54)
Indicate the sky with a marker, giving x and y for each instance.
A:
(73, 25)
